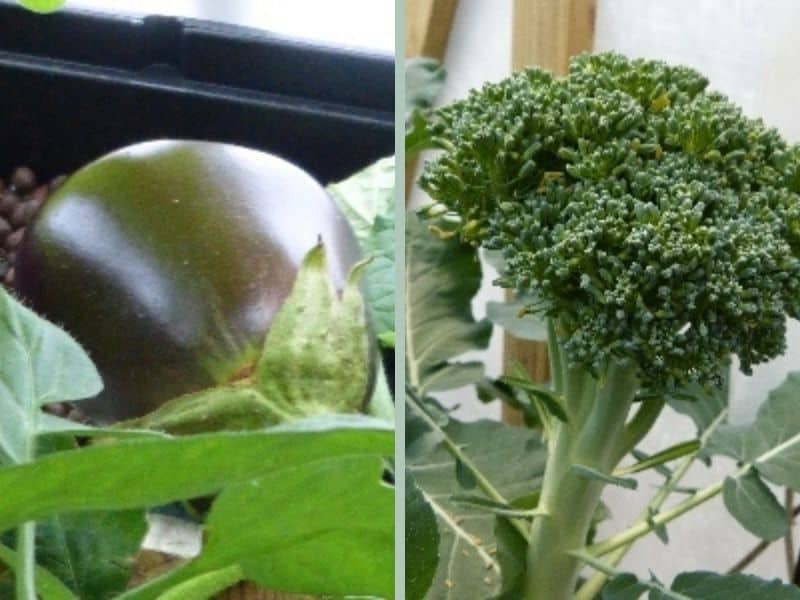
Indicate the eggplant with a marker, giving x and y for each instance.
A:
(167, 261)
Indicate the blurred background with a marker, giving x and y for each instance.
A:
(366, 24)
(748, 50)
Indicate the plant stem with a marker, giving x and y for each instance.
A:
(595, 583)
(25, 575)
(483, 483)
(569, 499)
(26, 555)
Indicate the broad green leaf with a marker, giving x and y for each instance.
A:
(39, 364)
(153, 471)
(625, 586)
(512, 458)
(442, 276)
(43, 6)
(91, 552)
(752, 503)
(421, 542)
(315, 359)
(227, 408)
(512, 551)
(48, 586)
(702, 405)
(453, 375)
(367, 200)
(590, 473)
(322, 528)
(772, 442)
(702, 585)
(510, 317)
(424, 81)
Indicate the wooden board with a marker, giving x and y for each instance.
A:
(546, 33)
(428, 24)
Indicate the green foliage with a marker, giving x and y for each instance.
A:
(421, 541)
(367, 200)
(39, 364)
(89, 502)
(441, 278)
(771, 444)
(512, 457)
(710, 586)
(753, 504)
(647, 215)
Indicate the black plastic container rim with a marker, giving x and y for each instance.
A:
(179, 51)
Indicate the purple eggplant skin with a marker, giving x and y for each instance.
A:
(167, 261)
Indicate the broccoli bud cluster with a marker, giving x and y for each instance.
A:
(648, 216)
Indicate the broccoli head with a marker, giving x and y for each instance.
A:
(648, 216)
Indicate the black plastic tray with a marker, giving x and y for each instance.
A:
(75, 85)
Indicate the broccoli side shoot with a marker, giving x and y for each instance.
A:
(648, 216)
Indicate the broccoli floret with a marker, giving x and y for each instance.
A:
(648, 216)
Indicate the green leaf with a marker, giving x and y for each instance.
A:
(424, 81)
(453, 375)
(752, 503)
(227, 408)
(329, 531)
(772, 442)
(625, 586)
(422, 541)
(43, 6)
(91, 552)
(512, 550)
(48, 586)
(315, 359)
(711, 586)
(659, 458)
(442, 276)
(39, 364)
(551, 402)
(491, 506)
(205, 586)
(367, 200)
(165, 470)
(702, 405)
(590, 473)
(510, 317)
(512, 458)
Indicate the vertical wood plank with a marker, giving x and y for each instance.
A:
(546, 33)
(428, 24)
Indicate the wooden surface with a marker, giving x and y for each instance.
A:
(546, 33)
(150, 564)
(428, 25)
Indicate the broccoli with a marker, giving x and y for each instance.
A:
(649, 217)
(653, 225)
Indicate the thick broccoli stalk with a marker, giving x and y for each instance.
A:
(657, 228)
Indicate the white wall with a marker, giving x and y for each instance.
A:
(748, 49)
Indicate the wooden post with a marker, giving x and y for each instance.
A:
(428, 25)
(546, 33)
